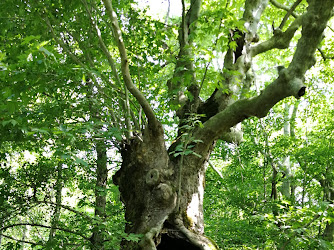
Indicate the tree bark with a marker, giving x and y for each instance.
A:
(56, 212)
(98, 237)
(327, 185)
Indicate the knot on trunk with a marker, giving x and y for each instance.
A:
(152, 177)
(164, 192)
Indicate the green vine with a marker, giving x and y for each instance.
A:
(187, 143)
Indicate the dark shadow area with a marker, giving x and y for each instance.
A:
(170, 243)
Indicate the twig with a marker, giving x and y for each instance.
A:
(290, 11)
(283, 7)
(23, 241)
(44, 226)
(215, 169)
(324, 56)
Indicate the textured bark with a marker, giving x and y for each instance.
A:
(148, 182)
(56, 212)
(329, 232)
(98, 236)
(328, 190)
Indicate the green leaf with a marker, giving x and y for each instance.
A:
(80, 161)
(188, 151)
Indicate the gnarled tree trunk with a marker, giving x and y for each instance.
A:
(169, 216)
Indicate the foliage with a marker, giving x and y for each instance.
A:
(60, 97)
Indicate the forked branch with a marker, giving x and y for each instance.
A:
(117, 33)
(293, 7)
(125, 103)
(283, 7)
(280, 40)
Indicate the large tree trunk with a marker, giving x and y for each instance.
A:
(169, 217)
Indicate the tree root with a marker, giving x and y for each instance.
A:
(196, 239)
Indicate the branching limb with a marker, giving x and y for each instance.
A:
(117, 33)
(125, 102)
(290, 11)
(44, 226)
(184, 73)
(22, 241)
(73, 56)
(240, 59)
(62, 44)
(283, 7)
(280, 40)
(289, 82)
(314, 23)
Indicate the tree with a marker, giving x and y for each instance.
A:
(109, 65)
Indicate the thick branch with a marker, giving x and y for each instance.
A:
(252, 15)
(314, 24)
(239, 60)
(117, 33)
(184, 74)
(258, 106)
(280, 40)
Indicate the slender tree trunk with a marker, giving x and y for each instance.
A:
(56, 212)
(98, 236)
(286, 188)
(328, 196)
(293, 135)
(329, 231)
